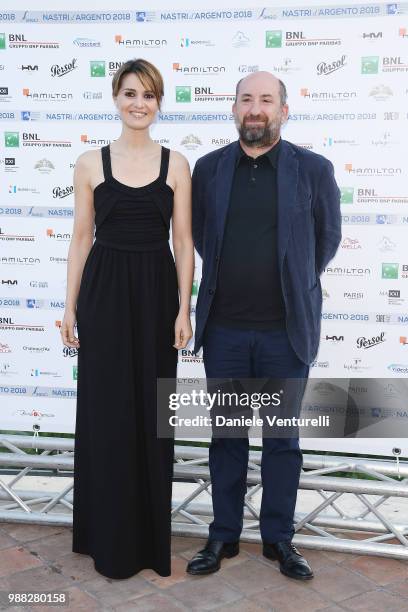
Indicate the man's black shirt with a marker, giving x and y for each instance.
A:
(248, 293)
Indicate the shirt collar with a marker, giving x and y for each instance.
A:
(271, 155)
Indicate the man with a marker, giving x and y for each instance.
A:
(266, 221)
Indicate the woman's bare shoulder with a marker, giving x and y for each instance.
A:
(178, 161)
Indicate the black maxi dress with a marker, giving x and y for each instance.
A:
(126, 309)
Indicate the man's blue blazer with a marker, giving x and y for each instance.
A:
(309, 233)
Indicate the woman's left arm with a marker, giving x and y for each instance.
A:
(182, 245)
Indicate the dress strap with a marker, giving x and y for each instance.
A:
(106, 161)
(164, 165)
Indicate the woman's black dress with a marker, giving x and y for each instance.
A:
(126, 309)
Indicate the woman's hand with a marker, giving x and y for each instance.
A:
(183, 331)
(67, 330)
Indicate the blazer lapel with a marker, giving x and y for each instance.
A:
(223, 184)
(287, 179)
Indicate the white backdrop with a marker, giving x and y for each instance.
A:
(345, 67)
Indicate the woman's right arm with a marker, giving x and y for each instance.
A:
(81, 243)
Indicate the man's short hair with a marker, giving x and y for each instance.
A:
(283, 94)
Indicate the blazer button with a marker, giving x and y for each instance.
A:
(217, 258)
(211, 291)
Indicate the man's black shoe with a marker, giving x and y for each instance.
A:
(291, 562)
(208, 560)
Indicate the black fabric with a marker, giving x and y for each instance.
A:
(126, 308)
(248, 293)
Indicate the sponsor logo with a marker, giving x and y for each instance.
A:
(398, 368)
(188, 356)
(369, 64)
(346, 195)
(353, 295)
(18, 189)
(58, 70)
(334, 339)
(366, 343)
(140, 43)
(31, 139)
(191, 142)
(287, 66)
(240, 40)
(394, 64)
(36, 349)
(30, 116)
(35, 373)
(372, 171)
(345, 271)
(384, 219)
(66, 237)
(15, 237)
(20, 261)
(351, 244)
(86, 42)
(11, 139)
(273, 39)
(248, 68)
(356, 365)
(5, 370)
(184, 69)
(39, 284)
(384, 139)
(92, 95)
(97, 69)
(44, 166)
(8, 324)
(386, 245)
(380, 93)
(391, 116)
(328, 141)
(35, 413)
(325, 68)
(194, 288)
(220, 142)
(389, 270)
(372, 35)
(394, 297)
(19, 41)
(320, 364)
(325, 96)
(186, 42)
(184, 94)
(62, 192)
(69, 352)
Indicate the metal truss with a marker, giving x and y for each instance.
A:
(328, 526)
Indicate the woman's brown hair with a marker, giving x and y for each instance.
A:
(148, 74)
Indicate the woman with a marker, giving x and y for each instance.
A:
(131, 305)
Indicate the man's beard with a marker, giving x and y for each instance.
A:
(259, 136)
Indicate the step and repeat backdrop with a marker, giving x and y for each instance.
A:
(345, 68)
